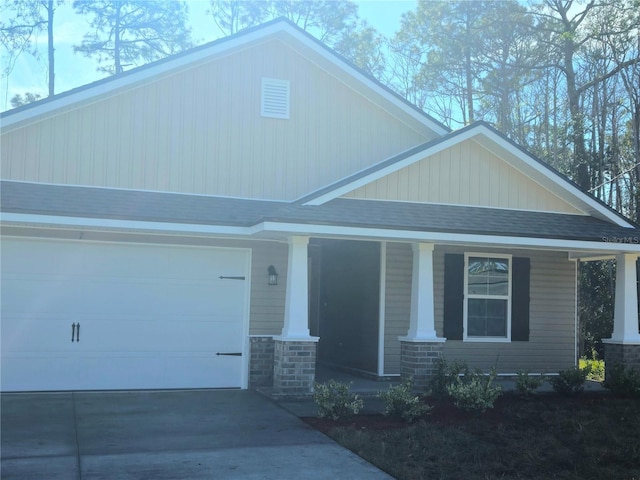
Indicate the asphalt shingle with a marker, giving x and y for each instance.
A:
(92, 202)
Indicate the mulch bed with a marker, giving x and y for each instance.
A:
(444, 412)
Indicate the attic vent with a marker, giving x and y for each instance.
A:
(275, 98)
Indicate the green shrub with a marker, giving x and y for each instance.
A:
(623, 380)
(527, 384)
(335, 401)
(400, 401)
(570, 381)
(596, 372)
(474, 392)
(446, 374)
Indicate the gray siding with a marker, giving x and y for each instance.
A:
(267, 301)
(551, 345)
(397, 302)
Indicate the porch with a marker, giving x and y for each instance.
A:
(406, 321)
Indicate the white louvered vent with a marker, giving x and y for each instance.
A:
(275, 98)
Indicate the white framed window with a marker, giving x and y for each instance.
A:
(487, 297)
(275, 98)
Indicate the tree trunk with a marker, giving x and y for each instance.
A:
(116, 41)
(580, 162)
(52, 68)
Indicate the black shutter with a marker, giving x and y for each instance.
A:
(453, 295)
(521, 267)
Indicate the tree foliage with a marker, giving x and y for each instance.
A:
(20, 22)
(333, 22)
(128, 33)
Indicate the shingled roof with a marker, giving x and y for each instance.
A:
(103, 203)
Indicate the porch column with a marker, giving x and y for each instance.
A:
(295, 350)
(421, 348)
(624, 345)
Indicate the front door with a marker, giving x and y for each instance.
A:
(348, 310)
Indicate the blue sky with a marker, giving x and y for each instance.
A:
(73, 70)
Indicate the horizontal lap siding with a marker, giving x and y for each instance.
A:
(267, 301)
(551, 345)
(397, 302)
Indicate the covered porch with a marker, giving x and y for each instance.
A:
(422, 333)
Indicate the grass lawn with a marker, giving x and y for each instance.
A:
(592, 436)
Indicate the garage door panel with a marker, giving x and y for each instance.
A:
(181, 335)
(29, 334)
(150, 316)
(38, 373)
(35, 295)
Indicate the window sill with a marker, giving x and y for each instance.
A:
(487, 340)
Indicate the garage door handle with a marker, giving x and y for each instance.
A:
(234, 354)
(75, 333)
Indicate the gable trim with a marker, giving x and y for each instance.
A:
(576, 197)
(15, 117)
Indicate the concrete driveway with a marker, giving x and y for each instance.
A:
(165, 435)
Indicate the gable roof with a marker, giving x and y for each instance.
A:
(282, 28)
(499, 144)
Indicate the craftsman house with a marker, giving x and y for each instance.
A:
(236, 214)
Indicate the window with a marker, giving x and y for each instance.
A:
(275, 98)
(487, 307)
(456, 297)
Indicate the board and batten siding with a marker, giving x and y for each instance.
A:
(551, 345)
(464, 174)
(199, 130)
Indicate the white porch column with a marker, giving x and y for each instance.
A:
(422, 326)
(625, 316)
(296, 312)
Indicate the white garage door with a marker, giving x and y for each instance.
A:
(83, 316)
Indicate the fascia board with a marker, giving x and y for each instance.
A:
(22, 219)
(448, 238)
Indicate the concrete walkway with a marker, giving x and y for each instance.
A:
(228, 434)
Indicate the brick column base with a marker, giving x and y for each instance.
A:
(261, 362)
(294, 367)
(618, 353)
(418, 361)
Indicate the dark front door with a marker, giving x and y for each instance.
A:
(348, 310)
